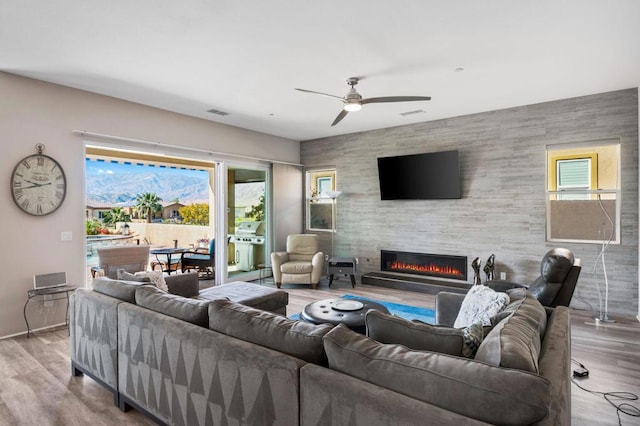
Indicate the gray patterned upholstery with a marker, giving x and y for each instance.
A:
(94, 331)
(187, 375)
(330, 398)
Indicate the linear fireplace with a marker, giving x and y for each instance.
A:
(431, 265)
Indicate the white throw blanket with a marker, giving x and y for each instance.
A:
(479, 305)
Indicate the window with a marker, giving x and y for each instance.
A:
(583, 201)
(320, 212)
(574, 175)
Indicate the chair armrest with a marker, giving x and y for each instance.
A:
(277, 259)
(318, 260)
(502, 286)
(318, 267)
(447, 307)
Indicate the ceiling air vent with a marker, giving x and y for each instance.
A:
(217, 112)
(417, 111)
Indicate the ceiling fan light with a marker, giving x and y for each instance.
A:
(352, 107)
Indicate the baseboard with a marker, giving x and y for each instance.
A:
(34, 330)
(417, 284)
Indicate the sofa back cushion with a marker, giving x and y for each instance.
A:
(474, 389)
(420, 336)
(189, 310)
(515, 340)
(123, 290)
(296, 338)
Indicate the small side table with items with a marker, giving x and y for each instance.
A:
(342, 265)
(51, 291)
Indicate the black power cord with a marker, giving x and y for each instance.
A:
(621, 407)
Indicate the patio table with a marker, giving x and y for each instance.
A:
(168, 252)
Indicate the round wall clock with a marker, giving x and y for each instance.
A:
(38, 184)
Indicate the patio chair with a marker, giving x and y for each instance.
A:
(129, 257)
(201, 259)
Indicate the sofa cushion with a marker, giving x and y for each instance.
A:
(156, 278)
(185, 285)
(296, 338)
(416, 335)
(186, 309)
(123, 290)
(254, 295)
(515, 341)
(474, 389)
(297, 267)
(128, 276)
(479, 305)
(472, 338)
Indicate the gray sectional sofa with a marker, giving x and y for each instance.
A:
(210, 360)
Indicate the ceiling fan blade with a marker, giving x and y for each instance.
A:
(395, 99)
(319, 93)
(340, 116)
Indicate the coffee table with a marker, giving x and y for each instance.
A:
(349, 312)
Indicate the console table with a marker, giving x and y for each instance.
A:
(66, 289)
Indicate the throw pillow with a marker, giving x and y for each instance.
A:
(416, 335)
(128, 276)
(185, 285)
(515, 342)
(479, 305)
(472, 338)
(156, 277)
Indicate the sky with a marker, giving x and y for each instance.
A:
(95, 167)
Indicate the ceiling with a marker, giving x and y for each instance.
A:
(246, 57)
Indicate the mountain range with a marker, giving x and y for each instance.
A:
(120, 188)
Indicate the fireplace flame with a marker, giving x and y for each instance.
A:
(445, 270)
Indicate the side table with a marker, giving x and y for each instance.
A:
(342, 265)
(47, 292)
(263, 269)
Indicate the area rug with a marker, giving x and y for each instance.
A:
(404, 311)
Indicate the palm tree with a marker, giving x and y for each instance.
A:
(116, 214)
(147, 204)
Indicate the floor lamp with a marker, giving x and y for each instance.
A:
(604, 315)
(333, 195)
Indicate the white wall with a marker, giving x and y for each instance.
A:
(33, 112)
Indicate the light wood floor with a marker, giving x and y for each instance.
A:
(36, 386)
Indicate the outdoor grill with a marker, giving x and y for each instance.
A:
(249, 245)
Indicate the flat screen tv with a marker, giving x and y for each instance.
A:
(428, 176)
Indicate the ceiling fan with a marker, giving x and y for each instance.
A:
(353, 101)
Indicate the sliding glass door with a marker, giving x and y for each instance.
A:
(245, 229)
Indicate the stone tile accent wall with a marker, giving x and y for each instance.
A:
(502, 210)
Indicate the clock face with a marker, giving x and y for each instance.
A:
(38, 185)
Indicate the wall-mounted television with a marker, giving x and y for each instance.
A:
(428, 176)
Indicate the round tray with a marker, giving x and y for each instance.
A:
(347, 305)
